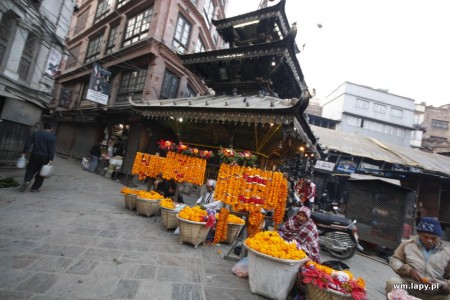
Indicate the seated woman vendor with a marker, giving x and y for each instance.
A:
(302, 229)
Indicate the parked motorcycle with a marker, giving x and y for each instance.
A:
(337, 235)
(326, 204)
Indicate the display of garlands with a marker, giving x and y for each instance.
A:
(221, 226)
(244, 188)
(184, 168)
(271, 243)
(146, 165)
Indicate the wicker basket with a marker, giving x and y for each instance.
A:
(233, 231)
(169, 218)
(192, 232)
(130, 201)
(147, 207)
(314, 292)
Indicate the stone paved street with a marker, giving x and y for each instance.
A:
(74, 239)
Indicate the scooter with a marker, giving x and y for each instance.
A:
(327, 205)
(337, 235)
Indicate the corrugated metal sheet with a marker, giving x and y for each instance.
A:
(358, 145)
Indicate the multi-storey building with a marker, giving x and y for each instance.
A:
(137, 45)
(32, 37)
(371, 112)
(437, 135)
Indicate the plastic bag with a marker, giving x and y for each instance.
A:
(85, 162)
(46, 171)
(21, 162)
(240, 269)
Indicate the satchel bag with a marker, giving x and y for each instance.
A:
(21, 162)
(46, 171)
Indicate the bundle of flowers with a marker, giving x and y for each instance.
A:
(150, 195)
(197, 214)
(230, 156)
(247, 158)
(233, 219)
(128, 191)
(167, 145)
(167, 203)
(227, 155)
(325, 277)
(272, 244)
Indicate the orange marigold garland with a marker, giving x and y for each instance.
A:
(255, 221)
(221, 226)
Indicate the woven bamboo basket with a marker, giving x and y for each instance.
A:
(130, 201)
(169, 218)
(192, 232)
(314, 292)
(233, 231)
(147, 207)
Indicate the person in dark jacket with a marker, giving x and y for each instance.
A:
(43, 152)
(96, 152)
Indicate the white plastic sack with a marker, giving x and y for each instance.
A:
(21, 162)
(46, 171)
(85, 162)
(240, 269)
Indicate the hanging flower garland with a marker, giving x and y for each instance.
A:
(221, 226)
(255, 221)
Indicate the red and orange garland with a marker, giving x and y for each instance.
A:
(255, 221)
(221, 226)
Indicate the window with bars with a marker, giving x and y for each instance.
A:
(208, 11)
(121, 3)
(6, 25)
(189, 92)
(182, 33)
(439, 124)
(137, 27)
(94, 48)
(103, 9)
(133, 83)
(396, 112)
(362, 103)
(27, 56)
(81, 22)
(379, 108)
(72, 59)
(112, 40)
(199, 47)
(170, 86)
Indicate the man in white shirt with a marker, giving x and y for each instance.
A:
(207, 199)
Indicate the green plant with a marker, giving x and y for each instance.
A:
(8, 182)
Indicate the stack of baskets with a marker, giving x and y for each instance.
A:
(169, 218)
(147, 207)
(314, 292)
(192, 232)
(130, 201)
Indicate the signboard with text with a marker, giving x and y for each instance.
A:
(99, 85)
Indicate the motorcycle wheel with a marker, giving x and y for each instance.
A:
(342, 255)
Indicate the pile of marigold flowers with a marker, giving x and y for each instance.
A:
(128, 191)
(233, 219)
(167, 203)
(325, 277)
(272, 244)
(195, 214)
(152, 195)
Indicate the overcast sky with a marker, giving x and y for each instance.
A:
(399, 45)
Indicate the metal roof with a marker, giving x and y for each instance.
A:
(357, 145)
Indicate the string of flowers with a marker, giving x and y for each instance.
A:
(255, 221)
(221, 226)
(325, 277)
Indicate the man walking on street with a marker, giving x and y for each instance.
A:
(43, 152)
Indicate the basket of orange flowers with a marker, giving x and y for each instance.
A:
(169, 214)
(325, 283)
(234, 227)
(270, 255)
(130, 196)
(195, 224)
(147, 203)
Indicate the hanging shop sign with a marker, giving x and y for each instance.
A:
(347, 166)
(99, 86)
(324, 165)
(52, 67)
(65, 98)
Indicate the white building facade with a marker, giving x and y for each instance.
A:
(371, 112)
(32, 35)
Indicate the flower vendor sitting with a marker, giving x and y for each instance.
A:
(207, 199)
(302, 229)
(423, 264)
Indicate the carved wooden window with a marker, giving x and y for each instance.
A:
(27, 56)
(6, 25)
(182, 33)
(112, 39)
(170, 86)
(103, 9)
(137, 27)
(94, 48)
(132, 84)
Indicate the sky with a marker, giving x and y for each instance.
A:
(399, 45)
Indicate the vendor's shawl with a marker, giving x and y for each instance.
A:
(306, 235)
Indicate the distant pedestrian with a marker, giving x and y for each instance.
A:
(43, 152)
(95, 152)
(344, 201)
